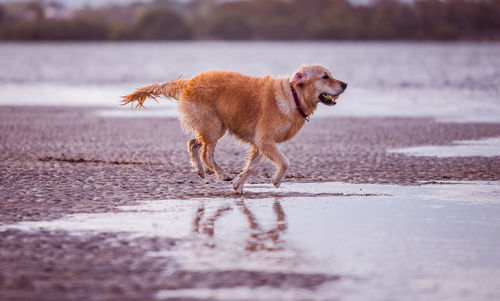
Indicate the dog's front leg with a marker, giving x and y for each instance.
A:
(270, 150)
(252, 164)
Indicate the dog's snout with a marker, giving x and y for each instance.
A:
(343, 85)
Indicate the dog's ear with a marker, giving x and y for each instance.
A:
(299, 78)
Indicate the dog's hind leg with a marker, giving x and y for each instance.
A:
(252, 164)
(207, 156)
(194, 154)
(202, 119)
(208, 137)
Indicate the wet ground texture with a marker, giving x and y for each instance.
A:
(55, 161)
(59, 161)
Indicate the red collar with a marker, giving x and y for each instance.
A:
(297, 103)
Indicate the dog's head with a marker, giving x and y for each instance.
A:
(316, 84)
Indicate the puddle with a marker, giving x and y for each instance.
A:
(489, 147)
(241, 293)
(375, 242)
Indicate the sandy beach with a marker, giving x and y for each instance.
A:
(60, 160)
(56, 161)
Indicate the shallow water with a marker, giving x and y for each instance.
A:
(489, 147)
(448, 81)
(375, 242)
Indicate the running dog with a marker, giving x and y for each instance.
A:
(260, 111)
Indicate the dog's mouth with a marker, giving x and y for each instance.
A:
(328, 99)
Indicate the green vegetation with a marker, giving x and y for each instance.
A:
(255, 20)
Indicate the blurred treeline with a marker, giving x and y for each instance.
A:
(255, 19)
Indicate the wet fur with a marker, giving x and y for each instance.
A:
(259, 111)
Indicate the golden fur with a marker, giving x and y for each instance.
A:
(258, 111)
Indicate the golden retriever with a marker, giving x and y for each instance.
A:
(259, 111)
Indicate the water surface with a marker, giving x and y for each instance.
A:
(449, 81)
(366, 242)
(488, 147)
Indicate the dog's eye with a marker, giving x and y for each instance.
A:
(326, 77)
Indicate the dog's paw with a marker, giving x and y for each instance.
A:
(226, 176)
(201, 173)
(277, 182)
(237, 187)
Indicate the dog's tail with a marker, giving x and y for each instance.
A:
(171, 89)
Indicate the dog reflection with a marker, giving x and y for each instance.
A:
(258, 239)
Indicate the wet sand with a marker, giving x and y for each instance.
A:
(59, 161)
